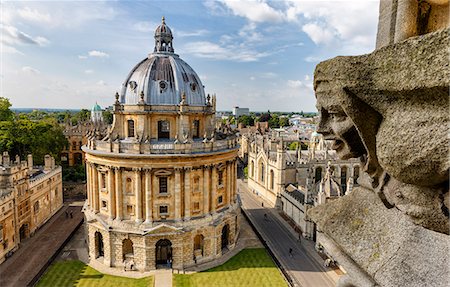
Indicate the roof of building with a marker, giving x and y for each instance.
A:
(96, 108)
(163, 77)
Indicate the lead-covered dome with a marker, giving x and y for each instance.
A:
(163, 77)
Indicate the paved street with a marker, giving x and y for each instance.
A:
(302, 268)
(35, 252)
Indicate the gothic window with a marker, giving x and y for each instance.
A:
(163, 129)
(130, 128)
(163, 185)
(262, 171)
(271, 180)
(318, 175)
(196, 129)
(344, 179)
(36, 207)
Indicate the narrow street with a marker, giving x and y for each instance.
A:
(302, 268)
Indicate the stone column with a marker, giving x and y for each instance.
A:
(111, 206)
(89, 184)
(177, 191)
(228, 189)
(187, 193)
(138, 196)
(148, 196)
(96, 190)
(118, 186)
(214, 189)
(206, 189)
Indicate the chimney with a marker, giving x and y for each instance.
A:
(30, 162)
(48, 162)
(5, 158)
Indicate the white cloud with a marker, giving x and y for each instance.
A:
(88, 71)
(252, 78)
(294, 83)
(101, 83)
(30, 70)
(34, 15)
(12, 36)
(255, 11)
(100, 54)
(195, 33)
(318, 35)
(205, 49)
(82, 57)
(145, 26)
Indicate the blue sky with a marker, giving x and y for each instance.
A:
(256, 54)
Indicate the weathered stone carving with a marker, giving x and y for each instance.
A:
(390, 109)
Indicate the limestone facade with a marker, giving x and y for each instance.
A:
(161, 183)
(29, 197)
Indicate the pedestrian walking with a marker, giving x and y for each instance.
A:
(67, 214)
(71, 214)
(262, 204)
(290, 252)
(265, 216)
(299, 237)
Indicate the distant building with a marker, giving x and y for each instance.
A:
(29, 197)
(76, 136)
(237, 112)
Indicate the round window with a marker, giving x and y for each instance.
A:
(163, 85)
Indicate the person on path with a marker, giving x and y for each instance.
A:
(290, 252)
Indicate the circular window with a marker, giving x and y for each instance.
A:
(193, 87)
(162, 85)
(133, 85)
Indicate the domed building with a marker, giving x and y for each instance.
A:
(162, 181)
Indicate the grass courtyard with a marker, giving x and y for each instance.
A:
(249, 268)
(75, 273)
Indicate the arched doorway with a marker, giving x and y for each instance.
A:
(23, 231)
(163, 252)
(99, 250)
(127, 249)
(225, 232)
(198, 245)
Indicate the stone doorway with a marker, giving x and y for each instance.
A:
(225, 233)
(99, 248)
(23, 231)
(163, 253)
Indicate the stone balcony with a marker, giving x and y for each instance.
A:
(128, 146)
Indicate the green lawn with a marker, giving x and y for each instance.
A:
(73, 273)
(250, 267)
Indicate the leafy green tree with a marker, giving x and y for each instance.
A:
(5, 113)
(107, 117)
(246, 120)
(293, 145)
(284, 122)
(274, 121)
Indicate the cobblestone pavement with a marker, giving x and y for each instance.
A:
(34, 253)
(304, 266)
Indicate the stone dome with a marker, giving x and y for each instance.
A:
(163, 76)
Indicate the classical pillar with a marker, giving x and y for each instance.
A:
(214, 189)
(111, 207)
(187, 193)
(206, 189)
(177, 206)
(148, 196)
(118, 186)
(89, 185)
(96, 190)
(138, 196)
(228, 189)
(235, 171)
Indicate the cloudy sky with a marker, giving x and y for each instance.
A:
(257, 54)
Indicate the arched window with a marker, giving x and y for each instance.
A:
(318, 174)
(99, 252)
(196, 129)
(130, 128)
(271, 180)
(262, 171)
(163, 130)
(36, 207)
(344, 179)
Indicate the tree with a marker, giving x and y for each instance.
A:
(5, 113)
(264, 118)
(274, 122)
(246, 120)
(107, 117)
(284, 122)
